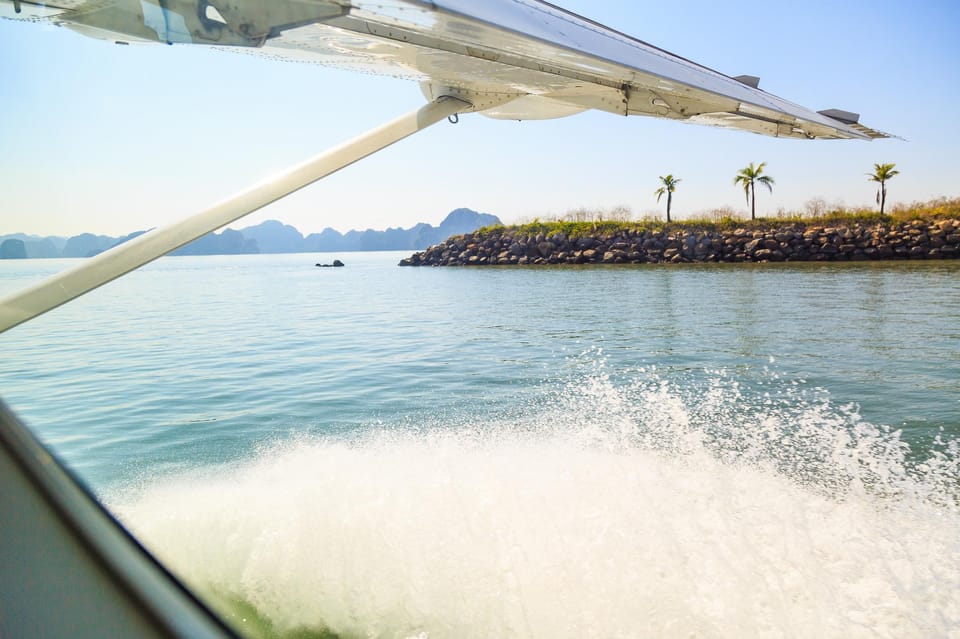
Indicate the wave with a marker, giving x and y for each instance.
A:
(644, 503)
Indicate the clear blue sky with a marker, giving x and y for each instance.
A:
(110, 139)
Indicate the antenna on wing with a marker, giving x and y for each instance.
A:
(749, 80)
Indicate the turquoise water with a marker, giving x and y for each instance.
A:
(708, 451)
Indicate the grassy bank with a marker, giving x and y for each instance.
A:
(575, 225)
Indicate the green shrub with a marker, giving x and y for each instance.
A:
(583, 223)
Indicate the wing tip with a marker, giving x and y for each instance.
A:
(852, 120)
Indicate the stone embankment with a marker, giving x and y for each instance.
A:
(916, 239)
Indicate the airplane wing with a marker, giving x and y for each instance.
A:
(511, 59)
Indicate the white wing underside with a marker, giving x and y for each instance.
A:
(514, 59)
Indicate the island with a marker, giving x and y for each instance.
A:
(929, 233)
(271, 236)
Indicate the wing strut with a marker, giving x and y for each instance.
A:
(96, 271)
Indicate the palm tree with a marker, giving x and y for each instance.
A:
(669, 186)
(882, 173)
(749, 177)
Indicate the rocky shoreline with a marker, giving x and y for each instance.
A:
(502, 245)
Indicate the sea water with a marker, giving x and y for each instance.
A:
(374, 451)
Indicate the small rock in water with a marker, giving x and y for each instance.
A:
(335, 263)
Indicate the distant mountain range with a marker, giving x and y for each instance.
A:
(268, 237)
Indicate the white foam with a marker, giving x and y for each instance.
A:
(613, 510)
